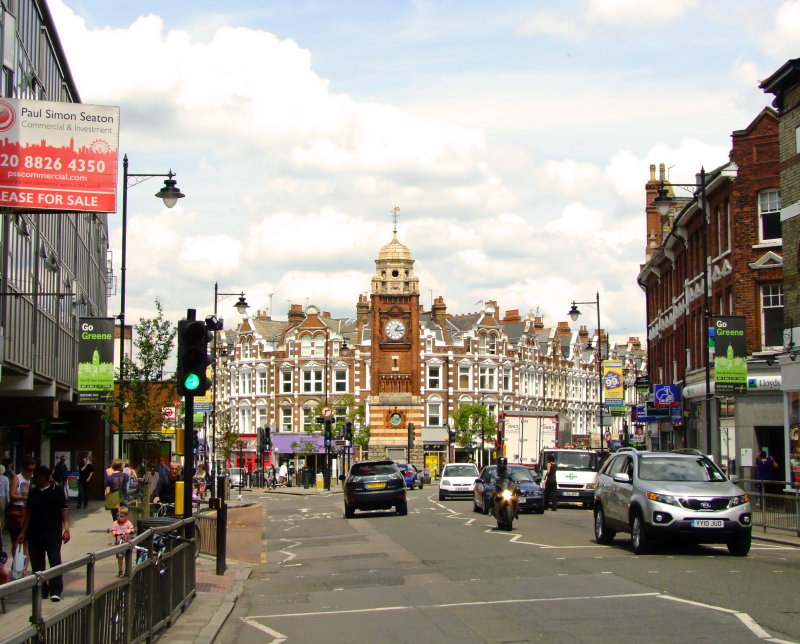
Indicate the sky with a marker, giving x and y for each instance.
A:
(515, 137)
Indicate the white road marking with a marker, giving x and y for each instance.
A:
(277, 637)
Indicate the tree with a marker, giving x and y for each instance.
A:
(228, 439)
(142, 392)
(470, 422)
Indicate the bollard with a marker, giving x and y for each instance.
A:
(222, 523)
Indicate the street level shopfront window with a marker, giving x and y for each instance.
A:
(794, 436)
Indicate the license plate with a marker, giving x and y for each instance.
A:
(376, 486)
(569, 493)
(708, 523)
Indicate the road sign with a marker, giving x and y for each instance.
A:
(327, 411)
(168, 413)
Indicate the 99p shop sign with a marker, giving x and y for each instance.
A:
(58, 156)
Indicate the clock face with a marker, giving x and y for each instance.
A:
(395, 329)
(395, 419)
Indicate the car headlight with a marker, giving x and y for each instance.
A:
(445, 482)
(591, 486)
(738, 500)
(663, 498)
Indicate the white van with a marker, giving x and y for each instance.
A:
(576, 476)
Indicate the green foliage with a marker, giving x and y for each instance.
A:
(303, 447)
(228, 439)
(468, 422)
(142, 391)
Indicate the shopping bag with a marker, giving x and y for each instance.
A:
(113, 500)
(19, 563)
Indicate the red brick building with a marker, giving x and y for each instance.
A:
(738, 254)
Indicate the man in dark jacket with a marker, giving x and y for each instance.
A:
(45, 527)
(61, 473)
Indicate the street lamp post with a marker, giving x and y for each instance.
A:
(170, 194)
(663, 203)
(241, 307)
(574, 313)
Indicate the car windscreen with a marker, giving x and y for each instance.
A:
(516, 473)
(576, 460)
(373, 470)
(679, 469)
(460, 470)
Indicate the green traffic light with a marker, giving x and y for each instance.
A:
(191, 382)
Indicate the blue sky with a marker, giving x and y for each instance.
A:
(515, 137)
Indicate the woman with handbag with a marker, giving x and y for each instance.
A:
(18, 493)
(115, 487)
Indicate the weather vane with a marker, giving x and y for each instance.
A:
(395, 215)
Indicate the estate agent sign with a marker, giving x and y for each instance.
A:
(58, 156)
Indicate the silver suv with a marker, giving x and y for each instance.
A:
(670, 494)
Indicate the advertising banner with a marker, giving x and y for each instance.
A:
(730, 354)
(58, 156)
(613, 388)
(95, 359)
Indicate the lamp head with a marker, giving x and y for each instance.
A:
(241, 305)
(170, 193)
(663, 202)
(574, 313)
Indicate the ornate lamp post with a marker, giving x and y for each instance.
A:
(574, 313)
(170, 194)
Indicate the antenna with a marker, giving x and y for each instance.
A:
(395, 214)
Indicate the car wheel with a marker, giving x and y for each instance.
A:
(442, 497)
(421, 484)
(740, 546)
(349, 511)
(602, 533)
(475, 507)
(540, 510)
(402, 509)
(587, 505)
(486, 509)
(639, 539)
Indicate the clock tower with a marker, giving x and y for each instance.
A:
(395, 350)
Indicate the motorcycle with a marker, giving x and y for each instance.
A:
(504, 508)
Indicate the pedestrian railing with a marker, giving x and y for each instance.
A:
(157, 586)
(776, 504)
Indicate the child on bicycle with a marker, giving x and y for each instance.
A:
(123, 530)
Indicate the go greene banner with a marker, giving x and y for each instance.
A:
(95, 359)
(729, 338)
(58, 156)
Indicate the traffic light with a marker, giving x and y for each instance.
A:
(348, 430)
(267, 439)
(328, 430)
(193, 358)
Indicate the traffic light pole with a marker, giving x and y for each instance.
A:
(188, 442)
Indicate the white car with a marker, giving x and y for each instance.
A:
(458, 480)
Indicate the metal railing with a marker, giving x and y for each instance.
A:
(776, 504)
(128, 610)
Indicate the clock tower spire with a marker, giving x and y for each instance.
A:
(395, 338)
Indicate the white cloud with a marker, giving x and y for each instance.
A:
(638, 13)
(781, 40)
(551, 23)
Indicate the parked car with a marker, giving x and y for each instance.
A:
(531, 497)
(235, 476)
(374, 485)
(412, 475)
(458, 480)
(670, 494)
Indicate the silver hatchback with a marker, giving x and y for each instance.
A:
(679, 494)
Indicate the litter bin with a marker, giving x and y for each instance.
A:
(304, 477)
(155, 522)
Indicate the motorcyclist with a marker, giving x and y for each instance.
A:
(503, 473)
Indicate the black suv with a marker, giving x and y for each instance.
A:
(374, 485)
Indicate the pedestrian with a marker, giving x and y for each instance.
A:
(61, 473)
(200, 480)
(5, 497)
(152, 482)
(766, 469)
(123, 530)
(84, 477)
(283, 474)
(271, 480)
(19, 487)
(114, 487)
(551, 484)
(165, 489)
(45, 527)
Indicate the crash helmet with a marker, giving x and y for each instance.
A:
(502, 464)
